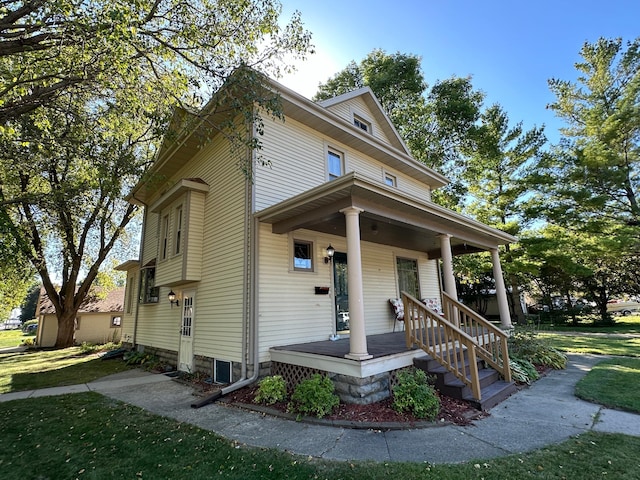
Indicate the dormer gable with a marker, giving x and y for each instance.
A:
(362, 109)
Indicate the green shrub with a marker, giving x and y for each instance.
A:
(29, 342)
(525, 345)
(25, 325)
(88, 347)
(522, 371)
(314, 396)
(271, 390)
(139, 358)
(414, 394)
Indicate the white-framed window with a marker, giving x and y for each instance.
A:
(116, 321)
(178, 231)
(390, 180)
(148, 291)
(361, 123)
(303, 255)
(335, 163)
(131, 283)
(164, 237)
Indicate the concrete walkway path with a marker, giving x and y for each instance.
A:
(543, 414)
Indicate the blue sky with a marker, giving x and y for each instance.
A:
(510, 48)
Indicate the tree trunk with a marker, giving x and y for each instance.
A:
(66, 330)
(516, 306)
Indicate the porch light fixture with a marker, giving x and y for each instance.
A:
(330, 252)
(173, 300)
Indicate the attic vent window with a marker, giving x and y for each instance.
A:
(361, 123)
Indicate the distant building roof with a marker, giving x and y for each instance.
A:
(114, 302)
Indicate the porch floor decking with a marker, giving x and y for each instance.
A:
(380, 345)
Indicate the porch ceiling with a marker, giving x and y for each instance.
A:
(389, 217)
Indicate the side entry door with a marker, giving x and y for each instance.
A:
(185, 355)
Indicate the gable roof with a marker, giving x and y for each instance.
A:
(114, 302)
(192, 128)
(376, 110)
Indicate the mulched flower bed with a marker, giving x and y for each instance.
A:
(453, 411)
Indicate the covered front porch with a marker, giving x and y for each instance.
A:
(469, 354)
(358, 209)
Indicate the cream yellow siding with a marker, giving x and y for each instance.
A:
(297, 163)
(47, 331)
(296, 157)
(130, 304)
(216, 240)
(91, 328)
(357, 106)
(291, 312)
(192, 233)
(96, 328)
(179, 259)
(151, 235)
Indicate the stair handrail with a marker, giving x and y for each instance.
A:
(442, 340)
(491, 340)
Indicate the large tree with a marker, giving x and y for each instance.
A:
(88, 97)
(494, 174)
(590, 183)
(595, 174)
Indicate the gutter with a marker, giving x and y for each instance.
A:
(250, 338)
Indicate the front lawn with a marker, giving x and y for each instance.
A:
(34, 369)
(614, 383)
(90, 436)
(596, 343)
(13, 338)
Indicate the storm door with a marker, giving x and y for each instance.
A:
(185, 356)
(341, 293)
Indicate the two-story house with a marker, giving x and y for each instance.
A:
(292, 267)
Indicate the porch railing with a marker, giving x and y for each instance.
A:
(491, 340)
(446, 341)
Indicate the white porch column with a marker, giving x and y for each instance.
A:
(447, 265)
(358, 337)
(501, 291)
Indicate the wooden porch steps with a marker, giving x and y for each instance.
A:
(493, 389)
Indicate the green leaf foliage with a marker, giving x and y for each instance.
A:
(414, 394)
(89, 90)
(271, 390)
(314, 396)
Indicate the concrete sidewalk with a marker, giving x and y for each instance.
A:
(543, 414)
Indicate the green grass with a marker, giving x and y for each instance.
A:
(12, 338)
(614, 383)
(630, 324)
(599, 344)
(34, 369)
(89, 436)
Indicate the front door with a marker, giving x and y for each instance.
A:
(341, 292)
(185, 356)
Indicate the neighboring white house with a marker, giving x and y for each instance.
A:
(99, 320)
(248, 259)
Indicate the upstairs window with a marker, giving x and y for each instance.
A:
(335, 164)
(390, 180)
(148, 291)
(178, 232)
(164, 237)
(302, 256)
(361, 123)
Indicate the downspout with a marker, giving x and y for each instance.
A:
(250, 315)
